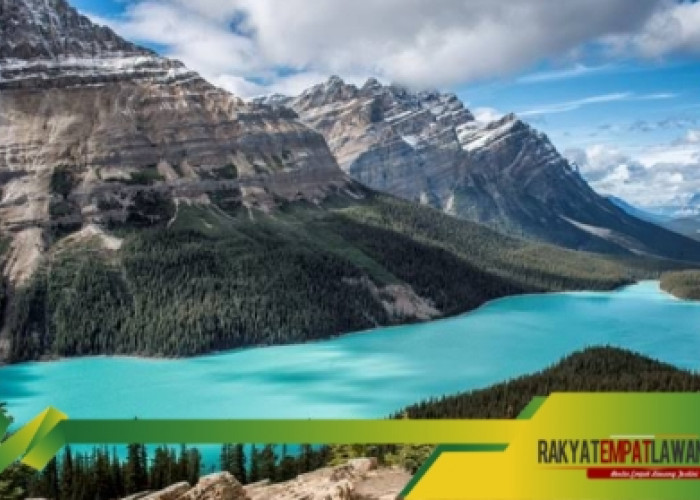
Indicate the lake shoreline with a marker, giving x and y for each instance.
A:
(359, 375)
(163, 358)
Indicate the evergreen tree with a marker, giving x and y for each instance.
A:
(194, 465)
(117, 474)
(136, 475)
(162, 469)
(183, 464)
(268, 462)
(306, 458)
(47, 485)
(103, 476)
(254, 473)
(288, 466)
(233, 461)
(67, 474)
(238, 464)
(226, 457)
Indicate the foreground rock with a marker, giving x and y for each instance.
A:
(359, 479)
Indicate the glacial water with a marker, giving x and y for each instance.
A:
(367, 374)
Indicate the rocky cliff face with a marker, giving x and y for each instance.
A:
(426, 147)
(94, 129)
(359, 479)
(388, 138)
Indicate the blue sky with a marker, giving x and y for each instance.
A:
(630, 104)
(614, 83)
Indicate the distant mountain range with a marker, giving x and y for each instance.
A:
(145, 211)
(683, 219)
(427, 147)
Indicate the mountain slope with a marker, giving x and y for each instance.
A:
(639, 213)
(687, 226)
(218, 279)
(425, 146)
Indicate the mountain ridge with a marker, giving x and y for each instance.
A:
(427, 147)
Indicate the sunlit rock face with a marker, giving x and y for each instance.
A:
(425, 146)
(94, 129)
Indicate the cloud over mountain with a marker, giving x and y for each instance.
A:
(652, 176)
(251, 45)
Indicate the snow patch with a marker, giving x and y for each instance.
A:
(411, 140)
(601, 232)
(473, 138)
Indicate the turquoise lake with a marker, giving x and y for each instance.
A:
(367, 374)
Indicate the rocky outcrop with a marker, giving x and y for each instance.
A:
(359, 479)
(427, 147)
(95, 130)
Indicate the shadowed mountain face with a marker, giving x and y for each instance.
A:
(94, 129)
(426, 147)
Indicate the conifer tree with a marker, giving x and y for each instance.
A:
(254, 474)
(238, 464)
(268, 463)
(288, 466)
(136, 475)
(194, 465)
(67, 474)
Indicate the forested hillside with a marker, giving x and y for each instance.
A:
(599, 369)
(214, 280)
(682, 284)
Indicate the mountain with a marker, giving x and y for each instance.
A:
(145, 211)
(687, 225)
(639, 213)
(427, 147)
(94, 129)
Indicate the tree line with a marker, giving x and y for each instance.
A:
(102, 475)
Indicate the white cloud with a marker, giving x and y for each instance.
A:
(562, 107)
(653, 176)
(486, 114)
(677, 154)
(561, 74)
(415, 42)
(672, 29)
(692, 136)
(238, 85)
